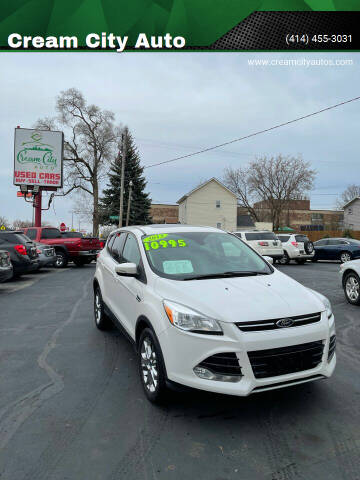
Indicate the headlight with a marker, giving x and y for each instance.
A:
(186, 319)
(325, 301)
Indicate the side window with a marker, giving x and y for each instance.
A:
(131, 251)
(50, 233)
(218, 204)
(117, 246)
(31, 233)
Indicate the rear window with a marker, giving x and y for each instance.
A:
(15, 238)
(50, 233)
(260, 236)
(72, 235)
(301, 238)
(31, 233)
(284, 238)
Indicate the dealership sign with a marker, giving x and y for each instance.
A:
(38, 158)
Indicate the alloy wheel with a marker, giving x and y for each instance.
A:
(59, 260)
(352, 288)
(97, 307)
(149, 365)
(345, 257)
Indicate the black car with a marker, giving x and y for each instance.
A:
(23, 254)
(343, 249)
(6, 269)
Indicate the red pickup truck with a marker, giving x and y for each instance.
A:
(80, 250)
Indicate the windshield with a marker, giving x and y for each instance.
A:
(186, 255)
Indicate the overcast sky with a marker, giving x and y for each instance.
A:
(176, 103)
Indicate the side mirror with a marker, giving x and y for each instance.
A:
(126, 269)
(269, 259)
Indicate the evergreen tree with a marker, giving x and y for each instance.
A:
(140, 201)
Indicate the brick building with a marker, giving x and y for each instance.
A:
(297, 214)
(164, 213)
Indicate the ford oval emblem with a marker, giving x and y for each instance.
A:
(285, 322)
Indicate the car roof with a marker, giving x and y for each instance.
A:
(157, 228)
(253, 231)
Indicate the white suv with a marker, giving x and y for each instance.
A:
(296, 247)
(266, 243)
(206, 311)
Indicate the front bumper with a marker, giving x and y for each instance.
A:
(182, 351)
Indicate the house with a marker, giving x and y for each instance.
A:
(209, 204)
(352, 214)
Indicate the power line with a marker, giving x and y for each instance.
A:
(253, 134)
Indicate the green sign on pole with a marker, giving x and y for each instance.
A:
(114, 217)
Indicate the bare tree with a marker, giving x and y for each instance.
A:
(237, 180)
(91, 141)
(351, 191)
(274, 181)
(4, 221)
(19, 224)
(277, 180)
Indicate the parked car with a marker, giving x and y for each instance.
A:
(350, 280)
(80, 250)
(47, 256)
(6, 269)
(264, 242)
(343, 249)
(207, 311)
(296, 247)
(23, 255)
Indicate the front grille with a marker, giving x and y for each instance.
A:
(332, 347)
(259, 325)
(280, 361)
(222, 364)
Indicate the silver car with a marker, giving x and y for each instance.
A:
(47, 256)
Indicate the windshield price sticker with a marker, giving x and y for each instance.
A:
(154, 242)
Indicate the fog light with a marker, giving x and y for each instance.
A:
(202, 372)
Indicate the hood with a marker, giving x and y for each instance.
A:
(238, 299)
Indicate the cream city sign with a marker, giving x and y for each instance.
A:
(38, 158)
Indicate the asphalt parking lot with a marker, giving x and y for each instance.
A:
(72, 407)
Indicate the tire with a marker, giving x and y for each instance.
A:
(300, 261)
(151, 367)
(352, 288)
(102, 321)
(309, 247)
(285, 259)
(61, 259)
(79, 262)
(345, 257)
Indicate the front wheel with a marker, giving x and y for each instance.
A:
(345, 257)
(102, 321)
(79, 262)
(61, 260)
(352, 288)
(151, 367)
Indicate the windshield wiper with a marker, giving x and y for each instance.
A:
(226, 275)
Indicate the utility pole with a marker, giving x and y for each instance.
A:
(123, 142)
(129, 202)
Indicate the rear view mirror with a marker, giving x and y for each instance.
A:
(269, 259)
(126, 269)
